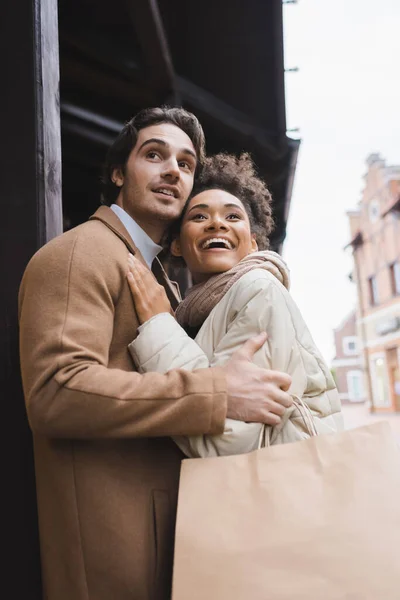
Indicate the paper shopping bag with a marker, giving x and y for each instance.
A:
(312, 520)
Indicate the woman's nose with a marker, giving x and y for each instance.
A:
(216, 223)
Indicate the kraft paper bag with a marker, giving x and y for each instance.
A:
(311, 520)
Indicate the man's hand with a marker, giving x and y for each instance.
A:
(148, 295)
(255, 394)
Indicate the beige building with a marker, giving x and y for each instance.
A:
(375, 241)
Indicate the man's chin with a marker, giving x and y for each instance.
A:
(168, 216)
(167, 221)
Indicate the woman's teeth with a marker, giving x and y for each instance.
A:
(220, 241)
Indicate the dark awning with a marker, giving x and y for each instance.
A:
(356, 241)
(395, 207)
(223, 62)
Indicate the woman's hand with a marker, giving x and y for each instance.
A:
(149, 297)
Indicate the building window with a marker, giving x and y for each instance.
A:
(395, 278)
(373, 291)
(374, 211)
(355, 385)
(350, 345)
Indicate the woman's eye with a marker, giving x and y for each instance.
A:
(199, 217)
(233, 216)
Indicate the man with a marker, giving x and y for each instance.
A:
(107, 473)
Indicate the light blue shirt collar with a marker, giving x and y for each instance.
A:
(147, 248)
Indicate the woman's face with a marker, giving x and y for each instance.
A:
(215, 234)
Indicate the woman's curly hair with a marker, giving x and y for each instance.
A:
(237, 176)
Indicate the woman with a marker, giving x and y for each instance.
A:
(241, 289)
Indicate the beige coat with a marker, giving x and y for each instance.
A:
(106, 472)
(256, 302)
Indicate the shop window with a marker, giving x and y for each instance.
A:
(380, 382)
(373, 290)
(355, 386)
(395, 278)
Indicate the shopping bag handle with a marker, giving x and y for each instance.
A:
(306, 415)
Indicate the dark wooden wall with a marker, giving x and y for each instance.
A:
(30, 201)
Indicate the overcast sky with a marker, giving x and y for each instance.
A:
(346, 101)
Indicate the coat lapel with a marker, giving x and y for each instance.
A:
(110, 219)
(171, 287)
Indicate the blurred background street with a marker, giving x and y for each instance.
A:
(356, 415)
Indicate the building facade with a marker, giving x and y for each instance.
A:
(347, 366)
(375, 241)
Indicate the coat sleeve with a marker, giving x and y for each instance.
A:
(67, 301)
(258, 307)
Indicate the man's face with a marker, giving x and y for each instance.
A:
(158, 177)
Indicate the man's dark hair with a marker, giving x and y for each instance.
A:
(121, 148)
(236, 175)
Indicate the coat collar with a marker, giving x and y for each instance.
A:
(110, 220)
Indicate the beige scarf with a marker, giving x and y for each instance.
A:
(201, 298)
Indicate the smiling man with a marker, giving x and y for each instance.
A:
(107, 472)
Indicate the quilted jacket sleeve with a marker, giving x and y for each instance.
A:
(162, 344)
(253, 306)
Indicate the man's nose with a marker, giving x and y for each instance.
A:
(172, 170)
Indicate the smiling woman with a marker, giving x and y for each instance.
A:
(215, 234)
(239, 291)
(227, 217)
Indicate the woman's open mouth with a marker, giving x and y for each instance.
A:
(217, 244)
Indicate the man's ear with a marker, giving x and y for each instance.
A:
(176, 247)
(254, 245)
(118, 177)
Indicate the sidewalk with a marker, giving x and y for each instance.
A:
(356, 415)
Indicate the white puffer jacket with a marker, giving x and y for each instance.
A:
(256, 302)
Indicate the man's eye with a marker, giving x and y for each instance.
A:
(184, 164)
(152, 154)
